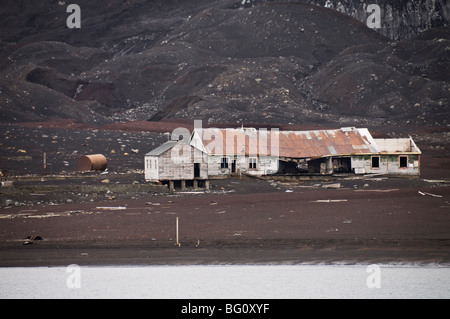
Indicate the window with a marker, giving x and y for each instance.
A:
(375, 162)
(403, 161)
(224, 162)
(252, 163)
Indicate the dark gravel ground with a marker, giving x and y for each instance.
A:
(367, 219)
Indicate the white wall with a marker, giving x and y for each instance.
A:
(264, 166)
(388, 164)
(176, 163)
(151, 168)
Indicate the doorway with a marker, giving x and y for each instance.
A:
(342, 165)
(233, 166)
(196, 170)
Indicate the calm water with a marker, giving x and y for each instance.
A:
(239, 282)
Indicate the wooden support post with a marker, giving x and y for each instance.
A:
(195, 184)
(183, 185)
(329, 165)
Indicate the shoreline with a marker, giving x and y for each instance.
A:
(85, 254)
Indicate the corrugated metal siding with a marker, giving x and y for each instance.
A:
(289, 144)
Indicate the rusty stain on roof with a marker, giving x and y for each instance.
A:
(289, 144)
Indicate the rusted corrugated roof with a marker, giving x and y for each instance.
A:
(290, 144)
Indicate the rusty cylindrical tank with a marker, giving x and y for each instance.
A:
(94, 162)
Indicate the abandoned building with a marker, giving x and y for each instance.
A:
(177, 164)
(219, 153)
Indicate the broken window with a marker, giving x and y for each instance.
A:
(375, 162)
(252, 163)
(403, 161)
(224, 162)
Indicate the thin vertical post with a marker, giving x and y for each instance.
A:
(45, 164)
(178, 242)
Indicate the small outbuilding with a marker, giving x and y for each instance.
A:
(177, 164)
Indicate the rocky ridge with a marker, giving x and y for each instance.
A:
(222, 61)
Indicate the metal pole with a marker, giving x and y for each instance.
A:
(178, 242)
(45, 164)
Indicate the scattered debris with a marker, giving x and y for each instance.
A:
(192, 193)
(7, 184)
(377, 190)
(336, 185)
(429, 194)
(443, 181)
(328, 201)
(378, 179)
(48, 215)
(111, 207)
(10, 202)
(30, 239)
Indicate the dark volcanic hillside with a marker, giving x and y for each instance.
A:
(401, 19)
(216, 61)
(403, 82)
